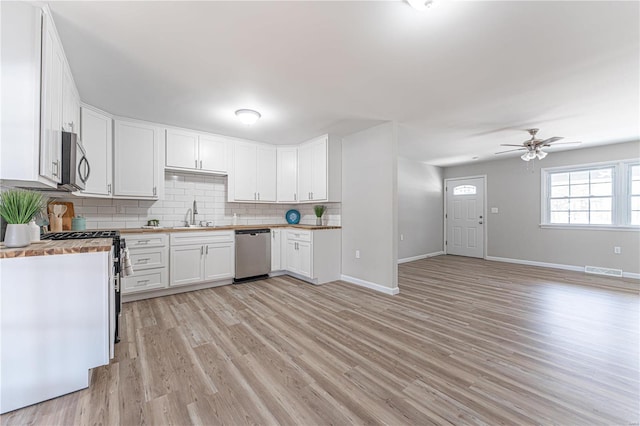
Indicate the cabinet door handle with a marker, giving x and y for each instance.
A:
(109, 189)
(207, 251)
(200, 163)
(54, 169)
(312, 195)
(196, 163)
(295, 197)
(201, 250)
(258, 196)
(155, 191)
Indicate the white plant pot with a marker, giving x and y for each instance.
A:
(17, 235)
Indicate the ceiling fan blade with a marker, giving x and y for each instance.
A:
(562, 143)
(509, 144)
(511, 150)
(550, 140)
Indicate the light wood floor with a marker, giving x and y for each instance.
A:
(465, 342)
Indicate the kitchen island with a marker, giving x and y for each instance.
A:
(54, 318)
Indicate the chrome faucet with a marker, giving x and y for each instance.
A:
(195, 212)
(190, 217)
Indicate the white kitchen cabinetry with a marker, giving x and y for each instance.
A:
(54, 324)
(276, 249)
(70, 104)
(51, 107)
(299, 255)
(38, 95)
(96, 136)
(313, 255)
(287, 184)
(320, 169)
(149, 255)
(254, 173)
(137, 160)
(201, 256)
(187, 150)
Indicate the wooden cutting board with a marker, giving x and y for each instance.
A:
(67, 216)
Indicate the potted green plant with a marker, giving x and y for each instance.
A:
(18, 207)
(319, 210)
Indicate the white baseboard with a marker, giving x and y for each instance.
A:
(631, 275)
(370, 285)
(419, 257)
(553, 265)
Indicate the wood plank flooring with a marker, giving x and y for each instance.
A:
(466, 341)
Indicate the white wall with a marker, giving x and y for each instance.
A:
(515, 233)
(369, 207)
(180, 191)
(420, 211)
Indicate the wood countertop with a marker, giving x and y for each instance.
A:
(221, 228)
(51, 247)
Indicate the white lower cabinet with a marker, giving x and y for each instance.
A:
(313, 255)
(299, 257)
(198, 257)
(276, 250)
(187, 264)
(149, 258)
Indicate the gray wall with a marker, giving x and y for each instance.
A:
(369, 206)
(515, 233)
(420, 208)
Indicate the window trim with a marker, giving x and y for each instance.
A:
(621, 197)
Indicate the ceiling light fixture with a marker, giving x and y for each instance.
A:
(248, 116)
(421, 4)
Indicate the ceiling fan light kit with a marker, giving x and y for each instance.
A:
(533, 146)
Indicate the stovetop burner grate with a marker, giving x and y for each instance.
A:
(80, 235)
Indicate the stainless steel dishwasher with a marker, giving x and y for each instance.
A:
(253, 254)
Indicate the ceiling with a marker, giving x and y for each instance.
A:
(460, 79)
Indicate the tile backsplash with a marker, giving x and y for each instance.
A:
(210, 193)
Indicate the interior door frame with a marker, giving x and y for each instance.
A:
(484, 211)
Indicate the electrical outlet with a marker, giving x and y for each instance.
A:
(401, 237)
(494, 210)
(617, 250)
(357, 254)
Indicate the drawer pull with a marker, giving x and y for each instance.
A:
(141, 282)
(144, 260)
(143, 241)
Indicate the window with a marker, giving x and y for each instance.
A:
(602, 195)
(634, 194)
(464, 190)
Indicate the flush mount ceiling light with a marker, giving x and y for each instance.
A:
(421, 4)
(248, 116)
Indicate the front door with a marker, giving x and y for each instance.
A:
(465, 216)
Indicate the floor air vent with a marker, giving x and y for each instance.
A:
(603, 271)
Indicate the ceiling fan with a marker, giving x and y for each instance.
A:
(533, 146)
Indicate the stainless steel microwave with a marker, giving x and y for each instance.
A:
(75, 165)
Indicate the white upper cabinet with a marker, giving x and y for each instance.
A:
(319, 169)
(181, 149)
(266, 173)
(96, 135)
(38, 96)
(137, 160)
(287, 185)
(213, 153)
(254, 173)
(70, 104)
(187, 150)
(53, 68)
